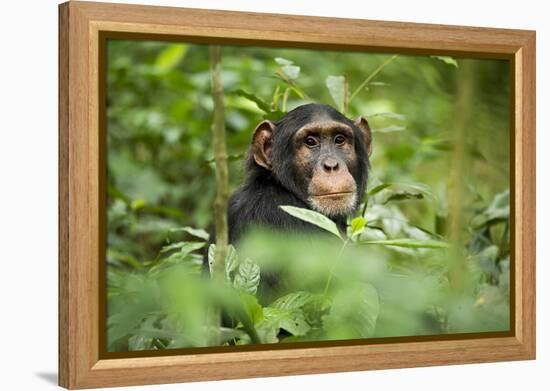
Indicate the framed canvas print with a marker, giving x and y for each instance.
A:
(248, 195)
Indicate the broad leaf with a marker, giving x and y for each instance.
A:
(312, 217)
(275, 319)
(231, 259)
(291, 71)
(293, 300)
(354, 313)
(358, 225)
(247, 277)
(337, 87)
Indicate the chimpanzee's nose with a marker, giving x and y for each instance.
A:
(330, 164)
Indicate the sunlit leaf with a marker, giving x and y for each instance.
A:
(283, 61)
(447, 60)
(170, 57)
(138, 204)
(358, 225)
(337, 87)
(292, 71)
(313, 217)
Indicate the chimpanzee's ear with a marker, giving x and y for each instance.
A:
(261, 143)
(362, 124)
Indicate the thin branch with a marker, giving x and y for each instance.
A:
(371, 76)
(217, 270)
(220, 157)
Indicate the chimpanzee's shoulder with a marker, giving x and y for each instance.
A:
(259, 205)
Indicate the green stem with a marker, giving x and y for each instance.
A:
(285, 98)
(293, 85)
(220, 203)
(220, 157)
(334, 266)
(371, 76)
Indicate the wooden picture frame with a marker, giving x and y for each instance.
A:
(83, 25)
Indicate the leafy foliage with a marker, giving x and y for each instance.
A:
(389, 275)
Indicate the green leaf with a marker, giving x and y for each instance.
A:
(138, 204)
(354, 313)
(293, 301)
(337, 87)
(139, 342)
(121, 257)
(231, 261)
(313, 217)
(291, 71)
(403, 191)
(283, 61)
(378, 189)
(184, 247)
(228, 334)
(253, 309)
(447, 60)
(211, 257)
(497, 211)
(275, 319)
(358, 225)
(409, 243)
(262, 105)
(170, 57)
(401, 195)
(247, 277)
(198, 233)
(292, 321)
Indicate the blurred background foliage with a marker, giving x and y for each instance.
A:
(438, 188)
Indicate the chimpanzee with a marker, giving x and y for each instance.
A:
(314, 157)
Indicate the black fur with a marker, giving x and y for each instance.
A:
(257, 202)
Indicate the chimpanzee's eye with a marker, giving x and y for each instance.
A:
(339, 139)
(310, 141)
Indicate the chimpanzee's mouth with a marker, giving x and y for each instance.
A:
(338, 194)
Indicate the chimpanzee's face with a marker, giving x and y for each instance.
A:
(324, 153)
(319, 155)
